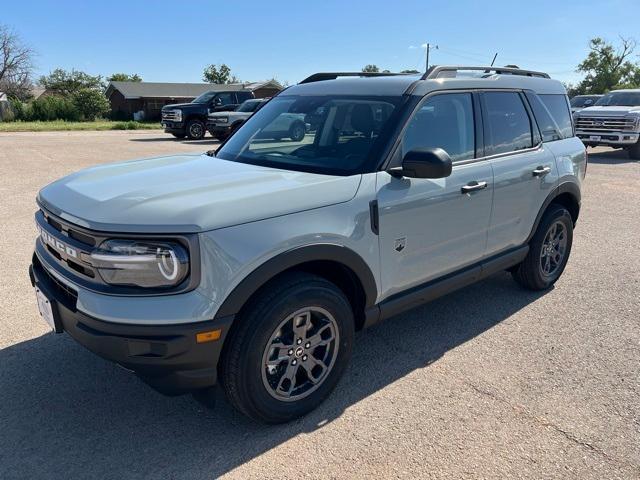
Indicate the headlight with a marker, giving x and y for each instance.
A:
(221, 120)
(141, 263)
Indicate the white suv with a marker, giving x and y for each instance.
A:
(253, 266)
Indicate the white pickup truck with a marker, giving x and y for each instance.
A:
(613, 121)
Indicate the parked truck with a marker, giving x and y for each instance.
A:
(614, 121)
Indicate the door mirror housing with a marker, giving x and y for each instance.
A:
(424, 163)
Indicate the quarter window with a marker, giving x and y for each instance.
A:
(508, 124)
(443, 121)
(559, 110)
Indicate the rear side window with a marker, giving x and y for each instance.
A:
(507, 123)
(548, 126)
(559, 110)
(443, 121)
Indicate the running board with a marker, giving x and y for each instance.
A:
(416, 296)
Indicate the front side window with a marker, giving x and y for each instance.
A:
(322, 134)
(559, 110)
(443, 121)
(225, 98)
(508, 125)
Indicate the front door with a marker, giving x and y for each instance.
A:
(431, 227)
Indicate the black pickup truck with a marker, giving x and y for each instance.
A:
(189, 119)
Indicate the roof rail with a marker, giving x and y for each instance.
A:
(317, 77)
(436, 71)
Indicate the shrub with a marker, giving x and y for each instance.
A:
(90, 103)
(130, 125)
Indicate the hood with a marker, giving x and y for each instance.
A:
(605, 111)
(181, 105)
(187, 193)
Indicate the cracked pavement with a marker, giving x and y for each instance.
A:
(488, 382)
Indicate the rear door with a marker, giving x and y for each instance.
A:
(524, 169)
(431, 227)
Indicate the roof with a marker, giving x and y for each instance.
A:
(394, 85)
(132, 90)
(366, 85)
(37, 91)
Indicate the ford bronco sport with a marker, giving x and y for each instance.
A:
(253, 266)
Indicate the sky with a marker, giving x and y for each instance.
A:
(172, 41)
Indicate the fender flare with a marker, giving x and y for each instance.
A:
(566, 187)
(294, 257)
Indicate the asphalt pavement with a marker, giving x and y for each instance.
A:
(489, 382)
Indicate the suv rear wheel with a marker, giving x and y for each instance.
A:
(195, 129)
(289, 349)
(549, 250)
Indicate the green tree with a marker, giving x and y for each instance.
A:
(219, 74)
(124, 77)
(63, 82)
(607, 67)
(409, 71)
(370, 68)
(90, 103)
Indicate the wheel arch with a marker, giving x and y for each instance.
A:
(566, 194)
(337, 263)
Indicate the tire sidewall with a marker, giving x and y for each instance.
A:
(268, 407)
(202, 127)
(557, 214)
(297, 126)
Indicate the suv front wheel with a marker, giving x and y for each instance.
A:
(289, 350)
(549, 250)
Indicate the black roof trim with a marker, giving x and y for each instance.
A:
(318, 77)
(435, 71)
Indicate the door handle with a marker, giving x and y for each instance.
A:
(541, 171)
(473, 186)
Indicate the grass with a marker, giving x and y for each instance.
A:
(61, 125)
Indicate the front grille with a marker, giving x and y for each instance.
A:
(67, 295)
(80, 242)
(606, 124)
(170, 115)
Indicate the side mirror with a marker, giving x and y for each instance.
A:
(217, 102)
(424, 163)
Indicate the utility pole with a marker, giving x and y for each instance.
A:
(429, 48)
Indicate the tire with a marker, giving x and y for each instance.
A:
(297, 131)
(195, 130)
(179, 135)
(265, 393)
(549, 250)
(634, 151)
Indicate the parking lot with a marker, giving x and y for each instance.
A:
(491, 381)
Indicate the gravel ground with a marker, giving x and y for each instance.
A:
(489, 382)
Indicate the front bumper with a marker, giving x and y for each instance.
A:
(620, 139)
(167, 357)
(216, 129)
(173, 127)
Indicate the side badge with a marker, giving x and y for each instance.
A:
(400, 244)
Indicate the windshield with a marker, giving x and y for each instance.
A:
(321, 134)
(205, 97)
(620, 99)
(248, 106)
(583, 101)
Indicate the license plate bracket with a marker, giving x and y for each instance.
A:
(47, 311)
(595, 138)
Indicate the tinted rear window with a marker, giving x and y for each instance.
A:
(548, 126)
(559, 110)
(509, 127)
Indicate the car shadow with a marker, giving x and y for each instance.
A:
(66, 413)
(610, 157)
